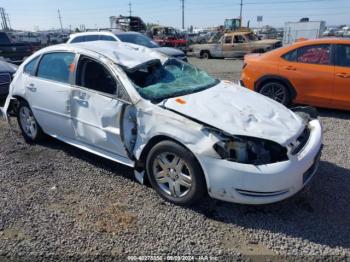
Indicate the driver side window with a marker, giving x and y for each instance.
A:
(95, 76)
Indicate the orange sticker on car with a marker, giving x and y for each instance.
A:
(180, 101)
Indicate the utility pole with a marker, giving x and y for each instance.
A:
(240, 13)
(3, 18)
(183, 14)
(8, 19)
(60, 18)
(130, 12)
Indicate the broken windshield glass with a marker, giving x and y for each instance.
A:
(157, 82)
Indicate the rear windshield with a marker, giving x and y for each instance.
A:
(157, 82)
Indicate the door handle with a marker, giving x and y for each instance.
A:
(31, 87)
(343, 75)
(81, 101)
(291, 68)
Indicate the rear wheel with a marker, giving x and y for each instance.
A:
(30, 128)
(276, 91)
(205, 55)
(175, 174)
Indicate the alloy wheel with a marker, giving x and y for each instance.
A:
(276, 92)
(28, 122)
(172, 174)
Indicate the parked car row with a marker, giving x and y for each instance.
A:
(13, 52)
(184, 131)
(128, 37)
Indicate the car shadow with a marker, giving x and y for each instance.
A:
(333, 113)
(319, 213)
(90, 158)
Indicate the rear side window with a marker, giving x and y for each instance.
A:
(239, 39)
(343, 55)
(228, 39)
(31, 66)
(78, 39)
(56, 66)
(291, 56)
(314, 54)
(89, 38)
(107, 38)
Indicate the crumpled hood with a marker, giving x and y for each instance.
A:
(240, 111)
(170, 51)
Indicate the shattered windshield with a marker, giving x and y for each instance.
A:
(156, 82)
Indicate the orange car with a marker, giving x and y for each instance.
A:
(313, 72)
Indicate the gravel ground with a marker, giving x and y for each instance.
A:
(60, 202)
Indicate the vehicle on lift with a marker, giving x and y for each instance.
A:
(234, 44)
(314, 72)
(187, 132)
(128, 23)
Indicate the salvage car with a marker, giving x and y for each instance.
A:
(312, 72)
(6, 74)
(234, 45)
(128, 37)
(184, 131)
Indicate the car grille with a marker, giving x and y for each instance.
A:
(261, 194)
(301, 141)
(5, 78)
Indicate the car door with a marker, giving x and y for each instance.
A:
(311, 72)
(96, 108)
(48, 90)
(341, 97)
(227, 46)
(240, 46)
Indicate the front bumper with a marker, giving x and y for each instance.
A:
(249, 184)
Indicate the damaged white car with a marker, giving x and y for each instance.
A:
(178, 127)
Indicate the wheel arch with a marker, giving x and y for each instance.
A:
(14, 103)
(204, 51)
(269, 78)
(140, 164)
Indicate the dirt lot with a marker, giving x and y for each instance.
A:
(60, 202)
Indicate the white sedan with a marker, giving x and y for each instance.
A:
(182, 130)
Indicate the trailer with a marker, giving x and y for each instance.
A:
(306, 30)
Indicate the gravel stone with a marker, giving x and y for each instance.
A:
(58, 202)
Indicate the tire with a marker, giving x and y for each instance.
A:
(276, 91)
(175, 174)
(30, 128)
(205, 55)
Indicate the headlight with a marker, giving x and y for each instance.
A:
(250, 150)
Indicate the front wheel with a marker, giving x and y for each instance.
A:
(30, 128)
(276, 91)
(175, 174)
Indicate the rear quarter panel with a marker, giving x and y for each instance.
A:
(257, 66)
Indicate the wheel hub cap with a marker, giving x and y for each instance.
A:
(172, 175)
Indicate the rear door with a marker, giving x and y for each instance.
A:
(48, 91)
(97, 103)
(311, 72)
(227, 46)
(341, 98)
